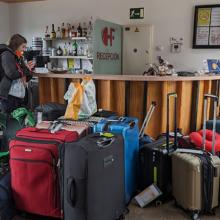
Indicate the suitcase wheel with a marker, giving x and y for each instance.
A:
(195, 215)
(158, 203)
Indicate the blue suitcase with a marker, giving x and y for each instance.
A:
(128, 127)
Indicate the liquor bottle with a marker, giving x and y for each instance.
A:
(67, 30)
(79, 31)
(63, 31)
(65, 51)
(79, 49)
(73, 32)
(70, 51)
(58, 32)
(75, 48)
(84, 29)
(46, 34)
(59, 51)
(90, 29)
(53, 33)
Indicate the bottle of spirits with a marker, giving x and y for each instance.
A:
(73, 33)
(84, 29)
(90, 39)
(59, 51)
(90, 29)
(65, 51)
(75, 48)
(79, 31)
(63, 31)
(70, 51)
(58, 32)
(53, 33)
(67, 30)
(46, 34)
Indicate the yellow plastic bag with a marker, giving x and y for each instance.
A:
(81, 99)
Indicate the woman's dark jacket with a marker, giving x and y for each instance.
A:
(9, 71)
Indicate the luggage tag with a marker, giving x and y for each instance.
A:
(106, 134)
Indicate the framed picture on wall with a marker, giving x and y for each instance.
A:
(206, 27)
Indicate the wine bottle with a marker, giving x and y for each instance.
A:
(46, 34)
(79, 31)
(75, 48)
(63, 31)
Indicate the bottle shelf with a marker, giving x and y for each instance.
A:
(71, 57)
(66, 38)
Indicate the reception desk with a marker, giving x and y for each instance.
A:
(132, 95)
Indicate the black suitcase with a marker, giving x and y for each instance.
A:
(50, 111)
(155, 160)
(94, 178)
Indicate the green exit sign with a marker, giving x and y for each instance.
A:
(136, 13)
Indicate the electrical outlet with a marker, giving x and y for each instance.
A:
(176, 45)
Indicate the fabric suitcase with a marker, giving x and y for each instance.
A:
(81, 128)
(196, 174)
(155, 160)
(36, 158)
(128, 127)
(94, 178)
(104, 113)
(50, 111)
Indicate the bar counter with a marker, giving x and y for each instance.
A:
(132, 95)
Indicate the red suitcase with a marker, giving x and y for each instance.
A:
(36, 158)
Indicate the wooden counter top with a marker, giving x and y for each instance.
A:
(130, 77)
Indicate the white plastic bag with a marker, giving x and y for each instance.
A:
(17, 88)
(81, 99)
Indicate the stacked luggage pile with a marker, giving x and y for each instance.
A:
(92, 168)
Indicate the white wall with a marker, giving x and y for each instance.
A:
(171, 18)
(4, 22)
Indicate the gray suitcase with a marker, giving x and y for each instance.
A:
(94, 178)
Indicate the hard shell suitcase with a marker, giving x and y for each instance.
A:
(155, 160)
(94, 178)
(195, 176)
(128, 127)
(36, 159)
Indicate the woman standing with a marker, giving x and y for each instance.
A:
(13, 73)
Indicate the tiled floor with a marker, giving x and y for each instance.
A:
(165, 212)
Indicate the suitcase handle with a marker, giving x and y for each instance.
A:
(105, 142)
(71, 191)
(147, 119)
(206, 96)
(169, 95)
(216, 102)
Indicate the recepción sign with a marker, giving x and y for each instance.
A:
(107, 48)
(136, 13)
